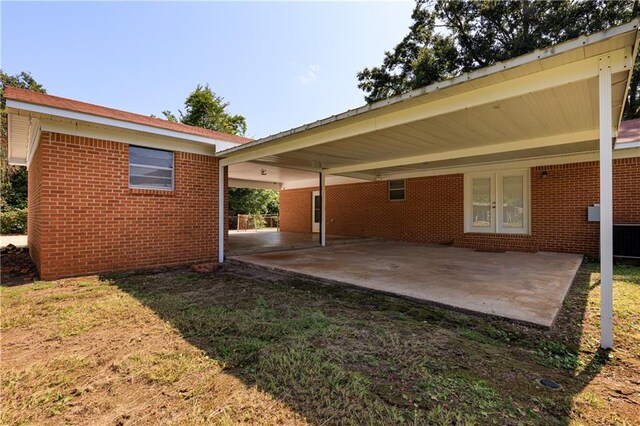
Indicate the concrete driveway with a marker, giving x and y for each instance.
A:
(526, 287)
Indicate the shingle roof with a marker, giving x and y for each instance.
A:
(28, 96)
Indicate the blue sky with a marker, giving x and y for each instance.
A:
(279, 64)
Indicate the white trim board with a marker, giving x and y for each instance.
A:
(111, 122)
(474, 168)
(514, 164)
(35, 133)
(500, 148)
(246, 183)
(127, 137)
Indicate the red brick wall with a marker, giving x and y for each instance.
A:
(34, 211)
(296, 216)
(433, 210)
(89, 220)
(626, 191)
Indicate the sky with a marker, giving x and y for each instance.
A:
(279, 64)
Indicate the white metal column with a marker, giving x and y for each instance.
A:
(221, 213)
(606, 206)
(323, 210)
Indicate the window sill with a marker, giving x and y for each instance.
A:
(160, 192)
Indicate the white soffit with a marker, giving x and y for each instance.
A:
(257, 175)
(18, 139)
(125, 136)
(534, 102)
(20, 112)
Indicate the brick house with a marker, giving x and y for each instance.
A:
(508, 157)
(432, 209)
(110, 190)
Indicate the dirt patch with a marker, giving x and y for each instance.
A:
(17, 266)
(244, 345)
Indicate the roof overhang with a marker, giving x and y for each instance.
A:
(26, 120)
(543, 104)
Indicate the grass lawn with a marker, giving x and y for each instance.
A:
(186, 348)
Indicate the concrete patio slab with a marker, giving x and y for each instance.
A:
(526, 287)
(246, 242)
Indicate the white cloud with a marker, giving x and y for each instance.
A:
(310, 76)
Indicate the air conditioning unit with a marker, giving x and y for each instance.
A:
(626, 240)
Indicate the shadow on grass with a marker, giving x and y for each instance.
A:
(341, 355)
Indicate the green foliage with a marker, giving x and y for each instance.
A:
(556, 354)
(13, 179)
(24, 80)
(203, 108)
(13, 222)
(448, 38)
(251, 201)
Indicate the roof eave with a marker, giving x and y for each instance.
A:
(582, 41)
(16, 106)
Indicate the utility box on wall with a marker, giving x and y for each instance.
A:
(593, 213)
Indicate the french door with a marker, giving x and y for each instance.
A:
(315, 211)
(497, 202)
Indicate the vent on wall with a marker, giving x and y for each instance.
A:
(626, 241)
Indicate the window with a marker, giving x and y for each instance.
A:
(497, 202)
(150, 168)
(396, 190)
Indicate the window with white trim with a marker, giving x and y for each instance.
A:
(397, 190)
(150, 168)
(497, 202)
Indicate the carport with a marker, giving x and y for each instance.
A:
(554, 106)
(523, 287)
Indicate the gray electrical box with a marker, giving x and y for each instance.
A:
(593, 213)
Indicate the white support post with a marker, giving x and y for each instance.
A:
(323, 210)
(606, 206)
(221, 213)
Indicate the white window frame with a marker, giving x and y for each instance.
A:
(497, 197)
(403, 189)
(153, 187)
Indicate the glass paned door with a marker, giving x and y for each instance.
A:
(497, 202)
(512, 214)
(316, 211)
(482, 215)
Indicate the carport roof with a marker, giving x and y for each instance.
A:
(541, 104)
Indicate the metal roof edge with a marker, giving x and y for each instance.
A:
(114, 122)
(581, 41)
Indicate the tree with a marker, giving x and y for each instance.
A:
(251, 201)
(203, 108)
(448, 38)
(13, 186)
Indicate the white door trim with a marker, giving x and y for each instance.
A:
(496, 202)
(526, 190)
(315, 226)
(468, 203)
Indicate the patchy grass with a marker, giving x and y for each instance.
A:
(233, 347)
